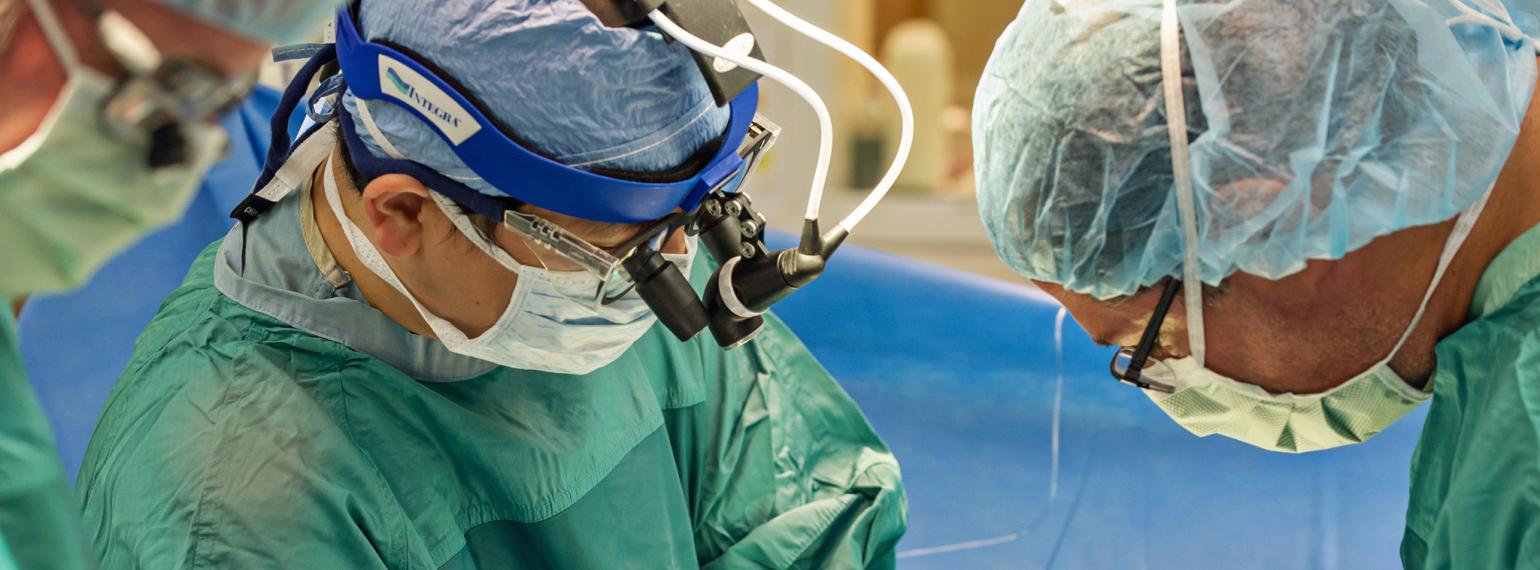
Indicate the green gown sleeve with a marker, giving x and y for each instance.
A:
(780, 468)
(1475, 480)
(39, 522)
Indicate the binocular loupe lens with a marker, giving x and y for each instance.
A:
(730, 329)
(667, 292)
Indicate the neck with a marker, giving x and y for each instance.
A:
(1512, 210)
(380, 294)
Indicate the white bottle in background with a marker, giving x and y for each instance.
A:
(920, 57)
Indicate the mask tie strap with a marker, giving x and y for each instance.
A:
(1181, 170)
(367, 118)
(1452, 245)
(444, 203)
(448, 334)
(54, 32)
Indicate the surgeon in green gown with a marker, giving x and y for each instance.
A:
(369, 376)
(1304, 220)
(78, 184)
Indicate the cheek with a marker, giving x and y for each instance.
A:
(1236, 344)
(676, 243)
(470, 276)
(483, 286)
(1099, 321)
(1280, 352)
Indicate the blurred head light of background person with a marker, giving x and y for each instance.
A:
(110, 120)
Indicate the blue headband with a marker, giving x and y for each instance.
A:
(379, 72)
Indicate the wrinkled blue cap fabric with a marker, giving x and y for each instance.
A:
(587, 95)
(273, 21)
(1315, 127)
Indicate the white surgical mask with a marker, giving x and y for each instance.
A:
(544, 327)
(1206, 402)
(72, 195)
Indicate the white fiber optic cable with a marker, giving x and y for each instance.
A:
(905, 110)
(801, 88)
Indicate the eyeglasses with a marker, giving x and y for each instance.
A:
(606, 263)
(1128, 364)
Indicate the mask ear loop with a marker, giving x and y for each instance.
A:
(1181, 170)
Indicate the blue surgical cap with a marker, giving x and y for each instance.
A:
(271, 21)
(587, 95)
(1315, 127)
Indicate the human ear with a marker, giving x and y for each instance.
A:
(394, 204)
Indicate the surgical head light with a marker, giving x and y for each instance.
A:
(709, 204)
(162, 96)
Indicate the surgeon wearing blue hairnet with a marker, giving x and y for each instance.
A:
(93, 156)
(371, 375)
(1303, 219)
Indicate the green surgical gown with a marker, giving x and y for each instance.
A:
(271, 418)
(39, 521)
(1475, 500)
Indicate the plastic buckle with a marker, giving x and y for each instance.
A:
(250, 208)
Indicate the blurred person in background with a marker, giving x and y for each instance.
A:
(109, 124)
(1303, 219)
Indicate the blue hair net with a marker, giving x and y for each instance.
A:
(1315, 127)
(587, 95)
(271, 21)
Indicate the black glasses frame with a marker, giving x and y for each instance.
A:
(1139, 355)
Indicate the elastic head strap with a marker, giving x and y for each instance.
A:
(1181, 170)
(1462, 228)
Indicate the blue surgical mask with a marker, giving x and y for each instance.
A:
(545, 326)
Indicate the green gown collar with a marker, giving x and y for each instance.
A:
(1517, 265)
(270, 268)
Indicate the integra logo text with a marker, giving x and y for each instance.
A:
(422, 103)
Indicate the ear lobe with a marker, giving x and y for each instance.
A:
(394, 204)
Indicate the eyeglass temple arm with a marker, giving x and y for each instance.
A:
(1152, 332)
